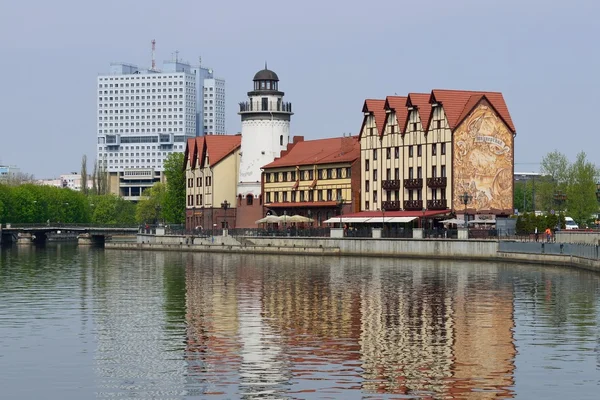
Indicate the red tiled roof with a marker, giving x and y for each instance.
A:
(320, 151)
(303, 204)
(220, 146)
(420, 101)
(375, 107)
(398, 105)
(217, 147)
(458, 104)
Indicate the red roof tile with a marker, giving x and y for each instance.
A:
(217, 147)
(320, 151)
(397, 104)
(458, 104)
(375, 107)
(420, 101)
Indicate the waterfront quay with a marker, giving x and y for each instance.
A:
(575, 254)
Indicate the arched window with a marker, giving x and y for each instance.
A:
(281, 140)
(249, 200)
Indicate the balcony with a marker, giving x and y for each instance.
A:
(413, 184)
(439, 204)
(390, 205)
(259, 106)
(413, 204)
(438, 182)
(393, 184)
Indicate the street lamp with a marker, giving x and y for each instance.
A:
(466, 199)
(340, 204)
(225, 205)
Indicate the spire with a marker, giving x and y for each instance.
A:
(266, 65)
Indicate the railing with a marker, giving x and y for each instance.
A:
(440, 233)
(65, 225)
(253, 106)
(591, 252)
(393, 232)
(413, 204)
(392, 184)
(437, 182)
(393, 205)
(413, 183)
(439, 204)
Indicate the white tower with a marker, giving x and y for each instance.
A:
(265, 130)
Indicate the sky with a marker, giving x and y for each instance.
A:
(330, 56)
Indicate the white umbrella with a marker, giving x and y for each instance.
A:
(454, 221)
(299, 218)
(269, 219)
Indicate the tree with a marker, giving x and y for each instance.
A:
(112, 210)
(174, 202)
(94, 184)
(556, 170)
(581, 193)
(84, 175)
(150, 210)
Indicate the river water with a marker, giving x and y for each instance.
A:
(83, 323)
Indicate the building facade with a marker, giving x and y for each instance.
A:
(146, 114)
(7, 172)
(318, 179)
(427, 151)
(265, 133)
(211, 169)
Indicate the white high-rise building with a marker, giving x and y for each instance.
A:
(146, 114)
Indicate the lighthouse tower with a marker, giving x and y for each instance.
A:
(265, 133)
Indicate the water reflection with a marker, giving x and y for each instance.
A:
(88, 322)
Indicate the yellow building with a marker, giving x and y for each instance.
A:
(211, 169)
(424, 152)
(314, 178)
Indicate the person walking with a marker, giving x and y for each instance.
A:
(548, 234)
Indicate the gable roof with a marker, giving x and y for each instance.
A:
(420, 101)
(458, 104)
(396, 104)
(216, 146)
(375, 107)
(320, 151)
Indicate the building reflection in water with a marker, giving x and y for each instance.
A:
(269, 326)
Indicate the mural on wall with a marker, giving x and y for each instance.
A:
(483, 162)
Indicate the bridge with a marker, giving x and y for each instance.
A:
(87, 234)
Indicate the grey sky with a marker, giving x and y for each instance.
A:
(330, 56)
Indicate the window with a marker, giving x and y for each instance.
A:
(329, 173)
(374, 175)
(410, 151)
(281, 140)
(366, 165)
(439, 124)
(320, 174)
(268, 197)
(302, 196)
(443, 171)
(366, 186)
(249, 200)
(388, 153)
(293, 196)
(396, 173)
(374, 154)
(190, 200)
(348, 172)
(190, 182)
(419, 194)
(311, 174)
(293, 175)
(434, 171)
(374, 196)
(329, 195)
(410, 173)
(388, 174)
(419, 151)
(320, 195)
(338, 194)
(367, 205)
(199, 199)
(414, 126)
(370, 131)
(397, 195)
(284, 197)
(443, 148)
(434, 149)
(311, 195)
(285, 176)
(208, 181)
(419, 173)
(397, 152)
(338, 173)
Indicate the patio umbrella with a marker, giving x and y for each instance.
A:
(269, 219)
(284, 219)
(454, 221)
(299, 218)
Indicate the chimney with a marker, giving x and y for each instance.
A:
(347, 144)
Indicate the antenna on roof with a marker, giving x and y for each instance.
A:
(153, 55)
(199, 61)
(265, 64)
(176, 55)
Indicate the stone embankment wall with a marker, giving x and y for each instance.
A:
(584, 237)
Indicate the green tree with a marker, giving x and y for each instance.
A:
(556, 169)
(84, 175)
(150, 209)
(174, 201)
(111, 210)
(581, 193)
